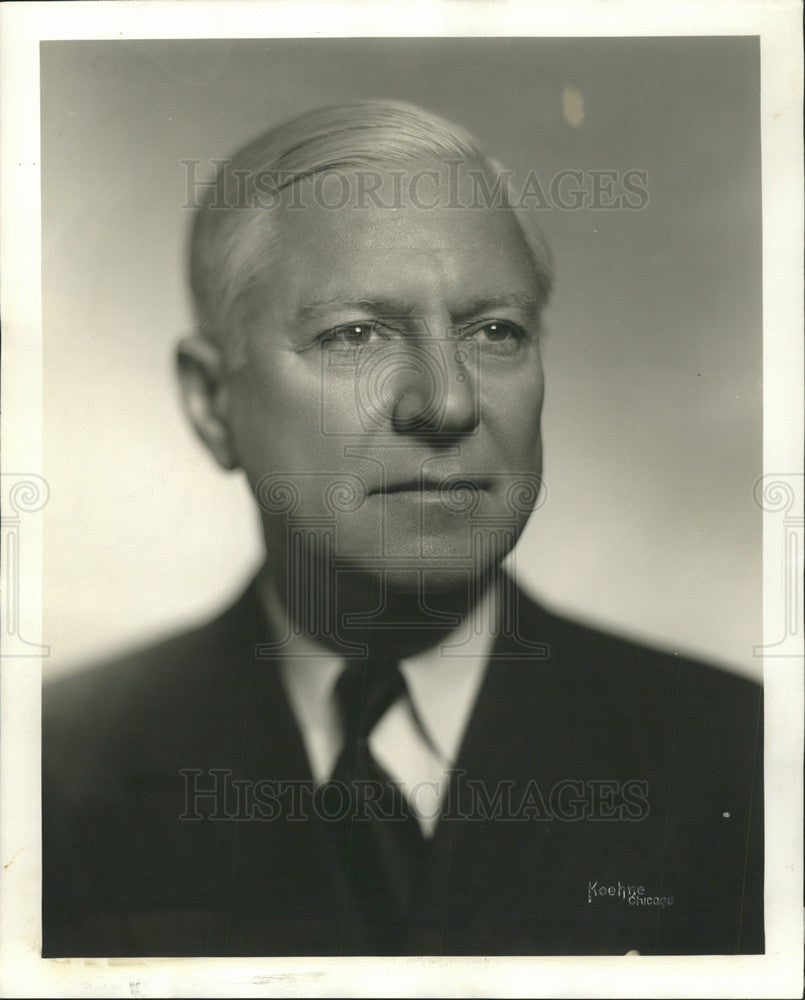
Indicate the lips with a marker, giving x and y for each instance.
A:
(412, 486)
(431, 484)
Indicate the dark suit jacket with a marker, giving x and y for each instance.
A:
(552, 862)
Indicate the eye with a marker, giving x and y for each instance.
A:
(497, 333)
(353, 334)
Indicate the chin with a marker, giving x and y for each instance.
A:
(428, 581)
(434, 577)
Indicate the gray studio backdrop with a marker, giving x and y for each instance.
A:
(652, 423)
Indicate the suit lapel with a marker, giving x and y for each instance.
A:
(507, 722)
(471, 871)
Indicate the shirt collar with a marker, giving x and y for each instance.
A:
(443, 683)
(443, 680)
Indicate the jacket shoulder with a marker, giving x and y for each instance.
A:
(147, 694)
(652, 701)
(623, 659)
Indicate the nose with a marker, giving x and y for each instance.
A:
(438, 394)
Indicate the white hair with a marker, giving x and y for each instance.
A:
(233, 238)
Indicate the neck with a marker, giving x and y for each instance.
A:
(359, 612)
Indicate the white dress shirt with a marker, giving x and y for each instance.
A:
(417, 740)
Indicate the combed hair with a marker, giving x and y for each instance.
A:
(232, 240)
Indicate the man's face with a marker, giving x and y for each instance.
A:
(394, 388)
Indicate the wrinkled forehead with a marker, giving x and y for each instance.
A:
(412, 233)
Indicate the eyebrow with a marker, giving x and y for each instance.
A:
(375, 306)
(383, 307)
(528, 304)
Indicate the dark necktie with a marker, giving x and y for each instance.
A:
(379, 840)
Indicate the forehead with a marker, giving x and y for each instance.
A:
(432, 246)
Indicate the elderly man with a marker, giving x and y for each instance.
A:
(384, 747)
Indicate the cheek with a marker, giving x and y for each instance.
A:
(511, 410)
(276, 418)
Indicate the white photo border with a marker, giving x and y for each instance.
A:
(778, 973)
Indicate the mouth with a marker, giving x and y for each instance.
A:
(410, 486)
(427, 486)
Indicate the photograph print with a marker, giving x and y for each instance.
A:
(403, 562)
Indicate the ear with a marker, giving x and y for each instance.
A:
(205, 394)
